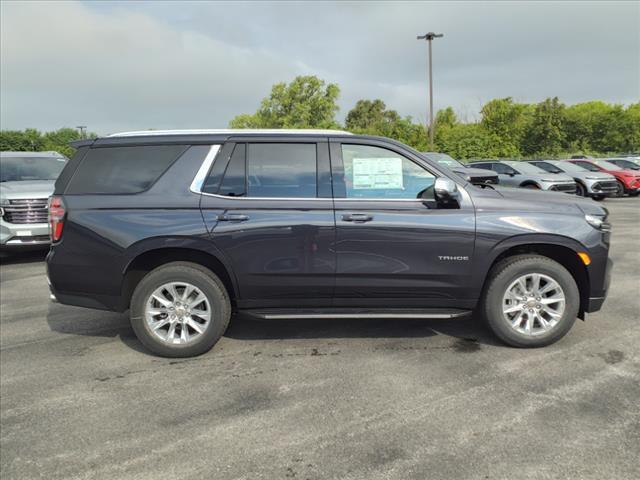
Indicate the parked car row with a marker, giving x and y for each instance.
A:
(586, 177)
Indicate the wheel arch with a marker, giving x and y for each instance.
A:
(563, 250)
(148, 259)
(528, 183)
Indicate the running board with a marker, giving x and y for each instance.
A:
(279, 314)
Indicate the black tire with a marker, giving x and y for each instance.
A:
(581, 190)
(531, 186)
(620, 192)
(198, 276)
(506, 272)
(634, 194)
(599, 198)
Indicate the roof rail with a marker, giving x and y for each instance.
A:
(231, 131)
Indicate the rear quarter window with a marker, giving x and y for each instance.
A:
(121, 170)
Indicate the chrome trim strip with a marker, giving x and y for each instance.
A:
(17, 241)
(198, 180)
(53, 298)
(285, 316)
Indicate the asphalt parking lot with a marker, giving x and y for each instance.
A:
(379, 399)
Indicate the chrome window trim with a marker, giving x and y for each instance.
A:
(203, 171)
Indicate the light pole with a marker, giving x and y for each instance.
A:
(82, 128)
(428, 37)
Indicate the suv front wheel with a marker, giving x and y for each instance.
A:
(530, 301)
(180, 310)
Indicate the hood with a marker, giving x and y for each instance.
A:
(26, 189)
(554, 177)
(522, 199)
(593, 175)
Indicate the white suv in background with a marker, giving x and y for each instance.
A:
(26, 182)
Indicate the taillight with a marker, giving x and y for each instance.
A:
(56, 217)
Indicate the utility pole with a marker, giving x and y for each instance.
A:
(429, 37)
(82, 129)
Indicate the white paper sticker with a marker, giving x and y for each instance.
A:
(377, 173)
(23, 233)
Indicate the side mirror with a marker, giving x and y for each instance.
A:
(446, 189)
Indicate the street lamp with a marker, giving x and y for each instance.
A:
(428, 37)
(82, 128)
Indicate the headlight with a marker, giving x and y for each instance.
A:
(598, 223)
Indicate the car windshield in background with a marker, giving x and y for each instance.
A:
(525, 167)
(607, 165)
(22, 169)
(572, 167)
(548, 167)
(444, 159)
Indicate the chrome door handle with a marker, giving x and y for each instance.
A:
(233, 217)
(357, 217)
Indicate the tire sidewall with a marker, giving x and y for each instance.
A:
(504, 278)
(218, 301)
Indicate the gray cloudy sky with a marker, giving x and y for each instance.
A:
(136, 65)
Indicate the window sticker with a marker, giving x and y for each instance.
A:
(377, 173)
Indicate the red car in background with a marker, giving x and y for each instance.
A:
(628, 180)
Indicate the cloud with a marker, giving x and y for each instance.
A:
(135, 65)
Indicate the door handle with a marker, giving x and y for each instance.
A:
(357, 217)
(233, 217)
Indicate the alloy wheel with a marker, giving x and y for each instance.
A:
(178, 313)
(533, 304)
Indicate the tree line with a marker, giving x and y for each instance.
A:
(506, 129)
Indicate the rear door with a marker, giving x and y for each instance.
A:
(395, 247)
(268, 207)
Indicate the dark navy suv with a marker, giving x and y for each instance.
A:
(183, 228)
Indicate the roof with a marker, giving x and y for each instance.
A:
(230, 131)
(31, 154)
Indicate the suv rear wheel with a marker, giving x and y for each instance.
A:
(530, 301)
(180, 310)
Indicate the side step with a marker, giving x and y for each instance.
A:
(340, 313)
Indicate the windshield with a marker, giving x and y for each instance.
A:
(607, 165)
(525, 167)
(548, 167)
(627, 164)
(444, 159)
(20, 169)
(572, 167)
(589, 166)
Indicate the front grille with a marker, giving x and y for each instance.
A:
(565, 187)
(28, 210)
(609, 186)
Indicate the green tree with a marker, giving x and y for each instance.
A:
(505, 122)
(545, 134)
(306, 102)
(446, 118)
(464, 141)
(31, 140)
(370, 116)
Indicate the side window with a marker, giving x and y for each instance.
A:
(282, 170)
(234, 180)
(484, 166)
(374, 172)
(121, 170)
(503, 169)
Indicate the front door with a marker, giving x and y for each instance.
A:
(269, 210)
(395, 246)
